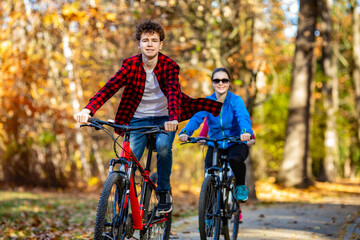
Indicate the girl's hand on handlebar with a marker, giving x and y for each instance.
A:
(250, 142)
(82, 116)
(202, 142)
(183, 137)
(245, 137)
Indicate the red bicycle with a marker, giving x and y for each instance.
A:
(123, 213)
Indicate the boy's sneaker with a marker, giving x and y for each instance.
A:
(241, 193)
(165, 201)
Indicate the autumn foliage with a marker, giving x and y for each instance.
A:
(55, 55)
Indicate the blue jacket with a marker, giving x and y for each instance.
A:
(234, 119)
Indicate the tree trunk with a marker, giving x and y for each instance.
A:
(250, 178)
(75, 92)
(98, 160)
(256, 75)
(330, 88)
(356, 70)
(294, 170)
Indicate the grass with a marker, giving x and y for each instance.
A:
(26, 215)
(53, 215)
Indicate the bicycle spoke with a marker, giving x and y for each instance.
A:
(107, 225)
(159, 230)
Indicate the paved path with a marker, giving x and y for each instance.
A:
(290, 221)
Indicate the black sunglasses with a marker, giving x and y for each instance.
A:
(224, 80)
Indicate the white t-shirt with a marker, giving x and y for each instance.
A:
(153, 102)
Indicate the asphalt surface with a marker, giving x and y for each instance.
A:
(286, 221)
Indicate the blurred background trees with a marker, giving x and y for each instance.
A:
(55, 55)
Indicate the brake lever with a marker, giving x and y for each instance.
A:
(191, 141)
(96, 125)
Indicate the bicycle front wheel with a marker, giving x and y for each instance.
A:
(108, 224)
(233, 209)
(209, 223)
(159, 224)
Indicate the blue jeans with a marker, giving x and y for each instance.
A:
(163, 148)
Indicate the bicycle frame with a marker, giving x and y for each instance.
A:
(137, 208)
(124, 221)
(221, 177)
(219, 171)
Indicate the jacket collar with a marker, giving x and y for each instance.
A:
(227, 98)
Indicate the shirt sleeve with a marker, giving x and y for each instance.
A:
(109, 89)
(173, 92)
(194, 123)
(243, 117)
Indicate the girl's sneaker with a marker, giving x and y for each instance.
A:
(240, 217)
(241, 193)
(208, 223)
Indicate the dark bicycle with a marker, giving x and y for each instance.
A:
(123, 213)
(217, 205)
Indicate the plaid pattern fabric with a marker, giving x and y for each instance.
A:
(132, 76)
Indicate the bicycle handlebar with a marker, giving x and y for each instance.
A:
(215, 141)
(98, 124)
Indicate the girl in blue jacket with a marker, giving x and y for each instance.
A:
(234, 120)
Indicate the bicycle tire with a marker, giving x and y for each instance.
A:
(159, 231)
(209, 224)
(233, 209)
(105, 218)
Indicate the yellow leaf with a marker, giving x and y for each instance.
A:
(69, 10)
(47, 20)
(5, 45)
(110, 16)
(101, 83)
(52, 20)
(93, 181)
(82, 17)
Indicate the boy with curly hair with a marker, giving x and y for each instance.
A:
(151, 96)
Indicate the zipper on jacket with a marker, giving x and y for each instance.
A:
(222, 129)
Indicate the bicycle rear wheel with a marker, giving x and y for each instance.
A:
(209, 223)
(157, 230)
(107, 224)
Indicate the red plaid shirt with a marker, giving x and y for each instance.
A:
(132, 76)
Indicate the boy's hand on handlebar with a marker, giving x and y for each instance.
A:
(82, 116)
(245, 137)
(183, 137)
(171, 126)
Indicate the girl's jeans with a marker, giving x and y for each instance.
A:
(163, 148)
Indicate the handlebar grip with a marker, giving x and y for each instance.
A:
(92, 119)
